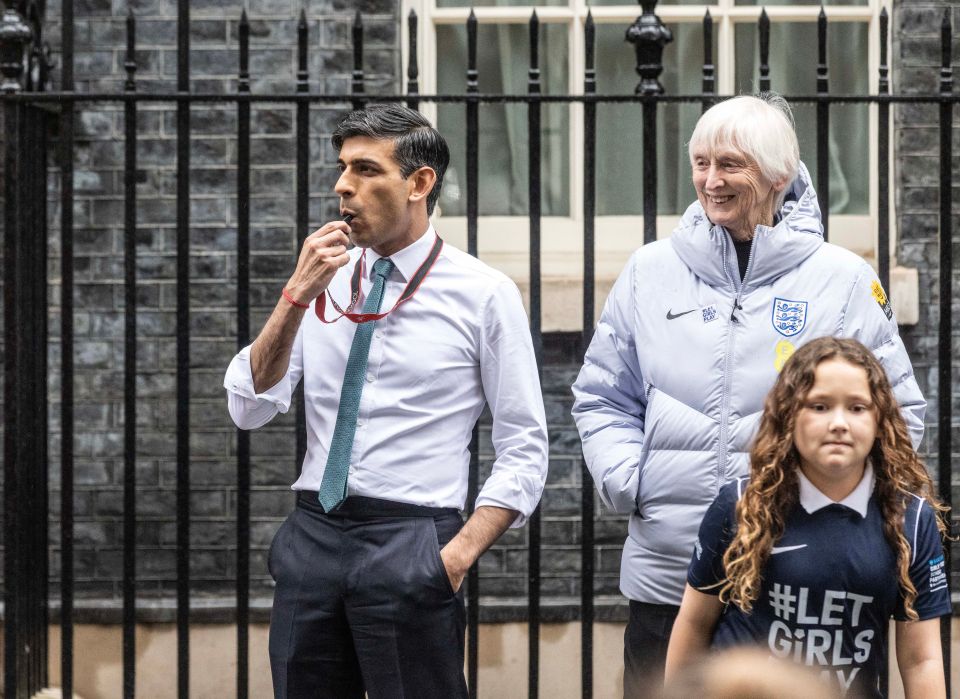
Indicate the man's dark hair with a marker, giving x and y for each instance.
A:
(416, 142)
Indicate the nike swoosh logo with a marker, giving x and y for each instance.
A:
(671, 315)
(783, 549)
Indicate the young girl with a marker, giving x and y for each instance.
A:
(836, 530)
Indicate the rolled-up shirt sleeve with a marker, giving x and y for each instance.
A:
(250, 409)
(508, 371)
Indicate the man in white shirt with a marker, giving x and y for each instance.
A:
(369, 565)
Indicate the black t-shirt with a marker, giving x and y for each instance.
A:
(743, 254)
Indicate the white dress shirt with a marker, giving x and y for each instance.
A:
(463, 339)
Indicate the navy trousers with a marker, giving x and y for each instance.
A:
(645, 647)
(363, 603)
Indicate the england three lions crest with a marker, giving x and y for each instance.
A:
(789, 317)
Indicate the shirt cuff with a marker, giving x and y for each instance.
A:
(510, 494)
(239, 381)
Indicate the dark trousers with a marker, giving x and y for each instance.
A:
(645, 647)
(363, 603)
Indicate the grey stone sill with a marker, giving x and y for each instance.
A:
(222, 610)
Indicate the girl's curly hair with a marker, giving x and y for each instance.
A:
(774, 489)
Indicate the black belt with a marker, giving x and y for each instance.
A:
(360, 506)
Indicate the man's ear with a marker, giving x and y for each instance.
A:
(421, 183)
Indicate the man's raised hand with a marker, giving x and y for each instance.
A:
(324, 252)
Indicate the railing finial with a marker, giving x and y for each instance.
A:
(15, 33)
(649, 35)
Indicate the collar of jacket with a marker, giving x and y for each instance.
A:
(707, 251)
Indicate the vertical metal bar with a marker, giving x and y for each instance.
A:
(589, 278)
(945, 344)
(649, 35)
(649, 169)
(29, 599)
(303, 203)
(130, 366)
(16, 446)
(763, 31)
(709, 88)
(883, 211)
(40, 405)
(413, 72)
(473, 135)
(533, 139)
(183, 352)
(34, 180)
(883, 206)
(473, 483)
(66, 354)
(13, 337)
(243, 338)
(883, 162)
(823, 124)
(356, 85)
(34, 229)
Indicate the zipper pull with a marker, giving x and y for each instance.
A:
(733, 313)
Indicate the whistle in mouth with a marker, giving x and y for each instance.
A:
(348, 218)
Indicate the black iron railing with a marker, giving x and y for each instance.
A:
(26, 107)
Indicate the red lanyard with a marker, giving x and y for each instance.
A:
(358, 272)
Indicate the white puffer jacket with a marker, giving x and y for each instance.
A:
(671, 391)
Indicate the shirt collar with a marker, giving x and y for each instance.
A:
(408, 260)
(812, 500)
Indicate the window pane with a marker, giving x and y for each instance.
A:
(795, 72)
(802, 2)
(620, 148)
(500, 3)
(502, 63)
(636, 4)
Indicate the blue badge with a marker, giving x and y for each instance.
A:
(789, 317)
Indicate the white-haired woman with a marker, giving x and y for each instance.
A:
(692, 337)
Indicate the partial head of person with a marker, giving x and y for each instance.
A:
(831, 410)
(391, 162)
(744, 154)
(747, 673)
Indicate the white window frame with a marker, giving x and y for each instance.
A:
(504, 240)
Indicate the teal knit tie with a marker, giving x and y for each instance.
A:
(333, 488)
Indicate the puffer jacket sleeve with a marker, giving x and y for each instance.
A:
(869, 318)
(610, 401)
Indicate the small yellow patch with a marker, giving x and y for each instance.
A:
(783, 351)
(881, 298)
(878, 293)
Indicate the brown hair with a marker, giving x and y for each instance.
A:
(773, 489)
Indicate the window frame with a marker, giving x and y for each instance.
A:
(503, 241)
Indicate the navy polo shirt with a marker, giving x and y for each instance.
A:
(830, 585)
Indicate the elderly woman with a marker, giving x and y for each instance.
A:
(692, 337)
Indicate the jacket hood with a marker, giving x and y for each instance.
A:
(708, 251)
